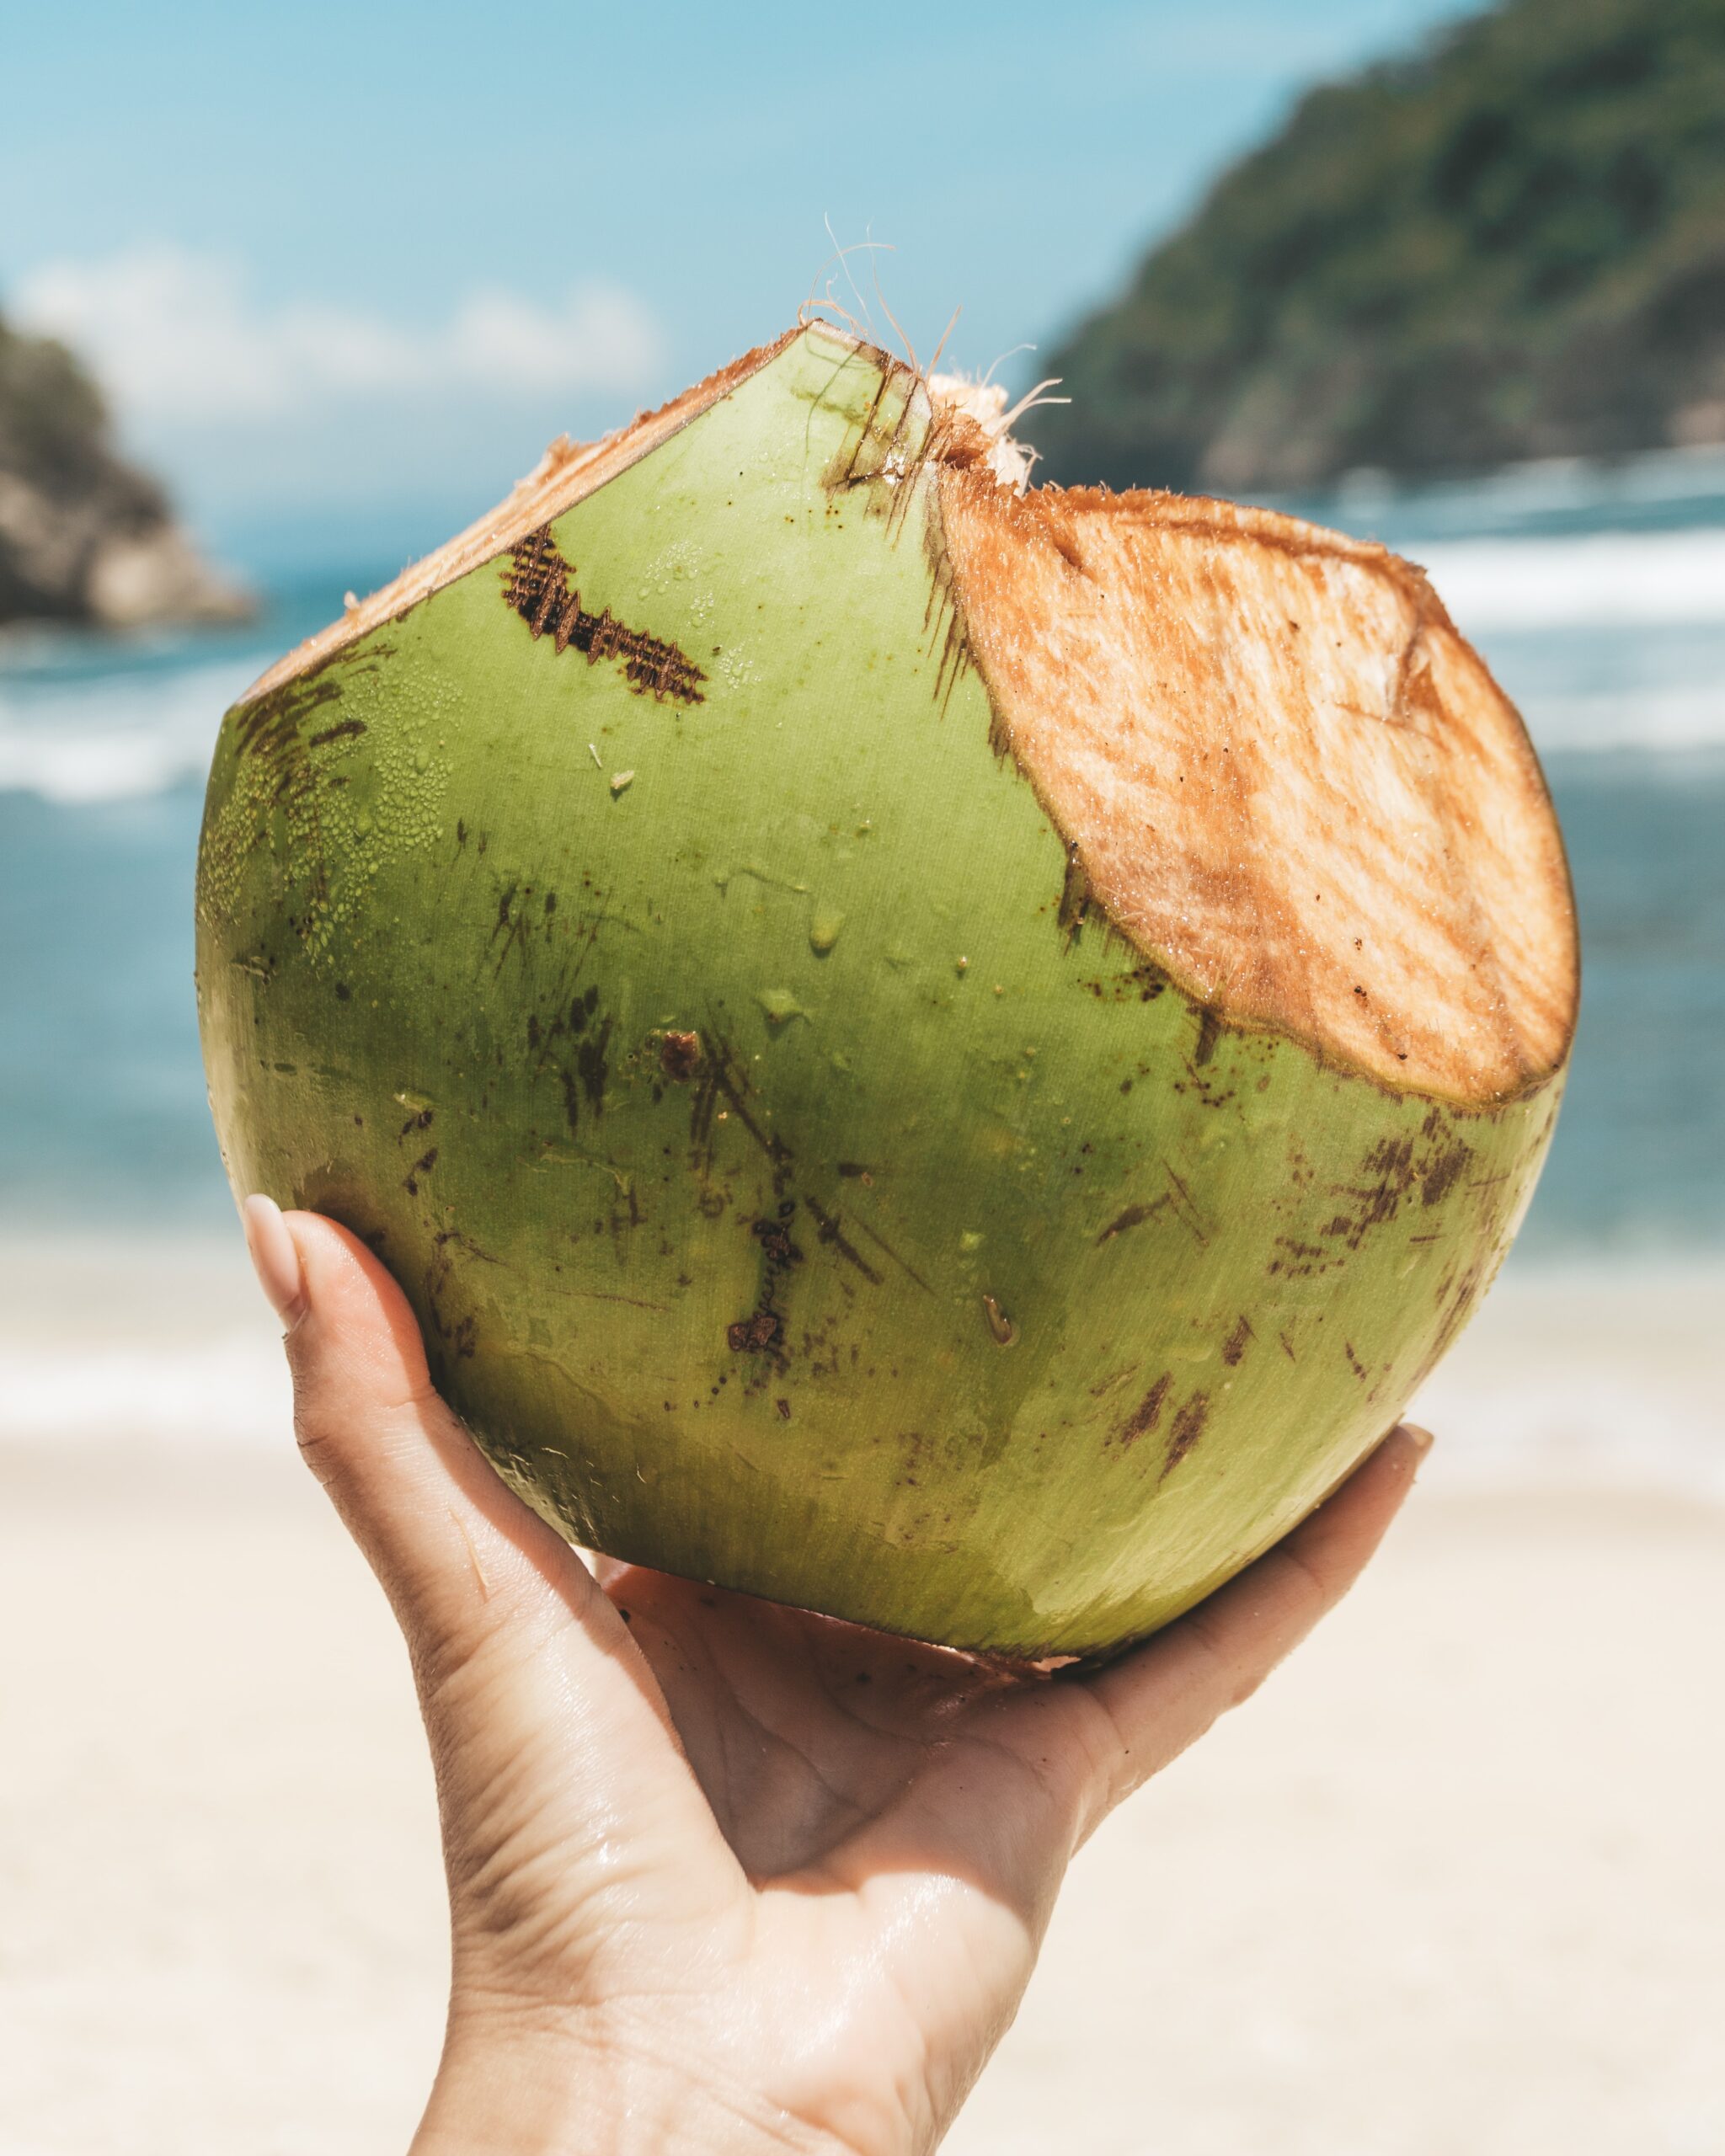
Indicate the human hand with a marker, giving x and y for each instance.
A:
(722, 1876)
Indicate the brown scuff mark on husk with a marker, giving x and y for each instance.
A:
(538, 585)
(878, 466)
(1188, 1428)
(763, 1330)
(1146, 1415)
(567, 473)
(1134, 1216)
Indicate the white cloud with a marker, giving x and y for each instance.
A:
(179, 336)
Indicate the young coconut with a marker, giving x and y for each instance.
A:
(946, 1053)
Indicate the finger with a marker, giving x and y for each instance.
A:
(1051, 1759)
(546, 1720)
(1162, 1697)
(452, 1547)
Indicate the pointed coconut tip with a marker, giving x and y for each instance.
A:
(567, 473)
(972, 432)
(1281, 772)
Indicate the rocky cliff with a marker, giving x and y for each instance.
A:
(84, 537)
(1511, 245)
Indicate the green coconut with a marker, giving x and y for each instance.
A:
(946, 1053)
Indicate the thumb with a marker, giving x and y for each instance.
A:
(516, 1647)
(453, 1548)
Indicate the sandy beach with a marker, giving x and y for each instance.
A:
(1454, 1882)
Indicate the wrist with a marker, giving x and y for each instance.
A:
(521, 2086)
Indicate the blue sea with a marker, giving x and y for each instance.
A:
(1598, 597)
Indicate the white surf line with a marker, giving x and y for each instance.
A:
(1593, 579)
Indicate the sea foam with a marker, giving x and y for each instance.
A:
(109, 731)
(114, 739)
(1591, 581)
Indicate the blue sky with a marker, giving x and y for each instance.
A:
(363, 261)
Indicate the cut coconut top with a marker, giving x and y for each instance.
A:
(1287, 777)
(1279, 770)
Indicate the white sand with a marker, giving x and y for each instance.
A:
(1454, 1882)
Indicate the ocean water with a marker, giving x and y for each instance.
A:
(1598, 598)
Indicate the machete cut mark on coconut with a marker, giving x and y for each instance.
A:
(538, 586)
(830, 1231)
(595, 1070)
(567, 473)
(725, 1081)
(1134, 1216)
(878, 461)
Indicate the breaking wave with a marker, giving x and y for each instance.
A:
(1675, 722)
(230, 1390)
(1593, 580)
(1581, 628)
(116, 739)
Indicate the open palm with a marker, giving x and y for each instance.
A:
(724, 1874)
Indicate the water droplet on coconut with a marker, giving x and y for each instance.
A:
(780, 1005)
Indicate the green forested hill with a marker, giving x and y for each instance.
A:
(1510, 246)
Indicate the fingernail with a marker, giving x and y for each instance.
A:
(274, 1259)
(1420, 1439)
